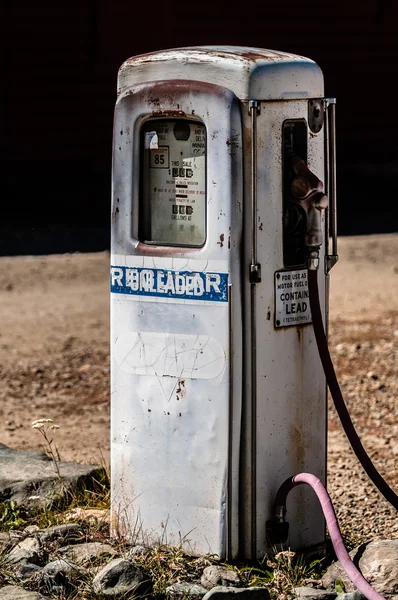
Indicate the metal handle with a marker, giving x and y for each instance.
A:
(330, 118)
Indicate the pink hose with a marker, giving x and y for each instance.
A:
(355, 576)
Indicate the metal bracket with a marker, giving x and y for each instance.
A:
(316, 113)
(330, 261)
(255, 273)
(254, 105)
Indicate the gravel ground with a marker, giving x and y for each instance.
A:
(54, 363)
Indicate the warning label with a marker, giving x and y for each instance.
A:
(292, 305)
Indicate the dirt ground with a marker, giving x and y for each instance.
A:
(54, 357)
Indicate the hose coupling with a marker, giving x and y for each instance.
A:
(313, 259)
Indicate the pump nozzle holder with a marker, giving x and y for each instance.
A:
(307, 191)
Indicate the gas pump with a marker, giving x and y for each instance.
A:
(217, 391)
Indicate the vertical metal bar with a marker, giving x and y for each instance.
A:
(332, 104)
(327, 175)
(330, 150)
(255, 277)
(253, 445)
(228, 542)
(253, 107)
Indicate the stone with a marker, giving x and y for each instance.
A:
(25, 570)
(310, 593)
(378, 563)
(28, 550)
(217, 575)
(31, 529)
(92, 515)
(28, 477)
(13, 592)
(84, 553)
(70, 531)
(59, 577)
(232, 593)
(121, 576)
(65, 567)
(185, 589)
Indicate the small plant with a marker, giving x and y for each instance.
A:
(12, 516)
(339, 586)
(45, 427)
(169, 564)
(281, 573)
(7, 577)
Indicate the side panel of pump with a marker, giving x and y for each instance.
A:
(285, 425)
(176, 316)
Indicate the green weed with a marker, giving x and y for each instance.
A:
(12, 516)
(281, 572)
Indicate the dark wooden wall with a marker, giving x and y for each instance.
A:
(58, 88)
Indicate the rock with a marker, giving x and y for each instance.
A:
(378, 563)
(30, 529)
(28, 550)
(25, 570)
(70, 531)
(121, 576)
(28, 477)
(59, 577)
(92, 515)
(185, 589)
(13, 592)
(217, 575)
(84, 553)
(231, 593)
(314, 594)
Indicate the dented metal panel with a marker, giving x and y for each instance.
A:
(248, 72)
(174, 468)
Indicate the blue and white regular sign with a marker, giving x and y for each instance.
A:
(165, 283)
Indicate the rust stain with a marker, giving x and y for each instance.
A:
(168, 113)
(180, 390)
(154, 101)
(268, 315)
(221, 242)
(115, 213)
